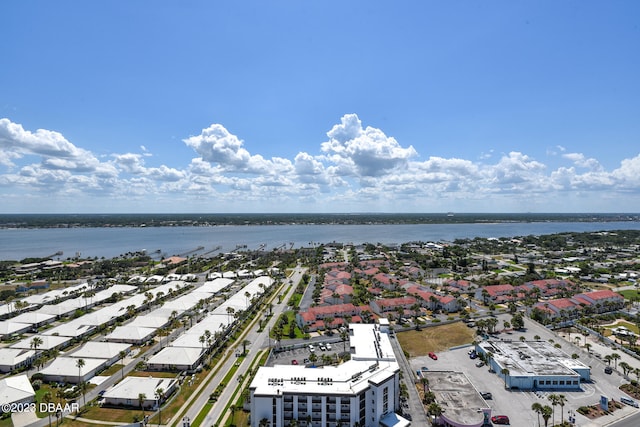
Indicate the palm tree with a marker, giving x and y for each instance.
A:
(47, 398)
(328, 321)
(245, 343)
(313, 358)
(537, 408)
(554, 401)
(35, 343)
(343, 336)
(83, 386)
(230, 311)
(561, 400)
(505, 372)
(434, 409)
(122, 355)
(80, 365)
(615, 357)
(425, 383)
(159, 396)
(141, 399)
(546, 414)
(626, 368)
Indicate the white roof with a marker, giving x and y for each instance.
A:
(176, 356)
(368, 343)
(33, 317)
(55, 309)
(66, 366)
(149, 321)
(132, 387)
(95, 318)
(14, 356)
(15, 389)
(48, 342)
(133, 333)
(74, 328)
(373, 361)
(100, 350)
(184, 302)
(188, 340)
(349, 378)
(9, 327)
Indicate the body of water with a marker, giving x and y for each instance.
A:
(17, 244)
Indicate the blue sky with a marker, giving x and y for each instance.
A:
(320, 106)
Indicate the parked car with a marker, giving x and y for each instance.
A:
(328, 346)
(322, 347)
(480, 364)
(424, 369)
(311, 348)
(608, 370)
(500, 419)
(473, 356)
(486, 395)
(433, 355)
(629, 402)
(294, 362)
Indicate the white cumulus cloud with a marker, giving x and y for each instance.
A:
(368, 152)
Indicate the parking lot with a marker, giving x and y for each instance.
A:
(517, 404)
(301, 353)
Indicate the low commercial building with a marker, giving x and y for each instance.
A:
(110, 351)
(16, 389)
(12, 359)
(534, 365)
(176, 359)
(131, 334)
(129, 390)
(9, 328)
(66, 370)
(47, 342)
(462, 404)
(362, 391)
(35, 319)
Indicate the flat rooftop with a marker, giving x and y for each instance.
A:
(348, 378)
(457, 396)
(367, 342)
(533, 358)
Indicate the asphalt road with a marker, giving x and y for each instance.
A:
(258, 340)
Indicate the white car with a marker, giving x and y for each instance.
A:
(328, 347)
(311, 348)
(322, 347)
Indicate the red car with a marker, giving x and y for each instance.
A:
(500, 419)
(294, 362)
(433, 355)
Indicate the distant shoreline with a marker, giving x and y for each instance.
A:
(219, 219)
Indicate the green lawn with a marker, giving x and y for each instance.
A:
(291, 320)
(629, 293)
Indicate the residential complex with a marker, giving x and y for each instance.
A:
(362, 391)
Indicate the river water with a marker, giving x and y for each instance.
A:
(17, 244)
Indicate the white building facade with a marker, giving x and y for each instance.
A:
(359, 392)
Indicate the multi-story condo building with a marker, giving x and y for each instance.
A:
(359, 392)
